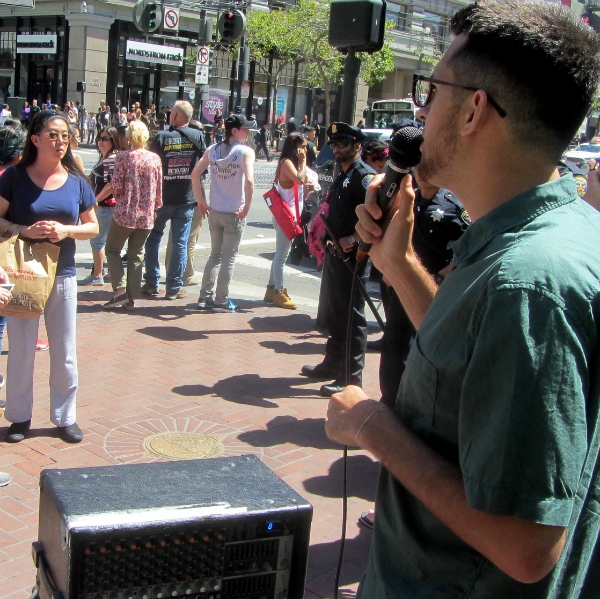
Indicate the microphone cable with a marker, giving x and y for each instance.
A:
(347, 361)
(404, 153)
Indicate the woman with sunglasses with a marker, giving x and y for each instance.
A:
(47, 198)
(108, 143)
(289, 181)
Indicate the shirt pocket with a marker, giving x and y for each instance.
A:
(417, 395)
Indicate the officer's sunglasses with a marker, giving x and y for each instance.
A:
(423, 91)
(339, 144)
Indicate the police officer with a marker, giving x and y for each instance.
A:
(440, 219)
(347, 191)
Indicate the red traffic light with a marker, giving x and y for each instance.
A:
(231, 25)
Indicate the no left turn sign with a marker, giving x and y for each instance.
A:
(203, 55)
(171, 19)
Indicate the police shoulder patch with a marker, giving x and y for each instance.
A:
(464, 216)
(366, 180)
(581, 183)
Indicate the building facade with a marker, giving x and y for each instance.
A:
(48, 47)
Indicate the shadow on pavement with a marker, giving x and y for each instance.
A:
(291, 323)
(248, 389)
(363, 473)
(307, 432)
(167, 333)
(297, 349)
(322, 563)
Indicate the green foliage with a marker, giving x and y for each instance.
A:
(300, 33)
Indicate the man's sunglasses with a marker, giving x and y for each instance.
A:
(423, 91)
(339, 144)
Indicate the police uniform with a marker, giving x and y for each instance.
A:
(346, 193)
(439, 221)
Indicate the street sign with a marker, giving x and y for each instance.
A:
(171, 19)
(201, 75)
(203, 55)
(245, 89)
(192, 94)
(186, 84)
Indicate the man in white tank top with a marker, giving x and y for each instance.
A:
(231, 166)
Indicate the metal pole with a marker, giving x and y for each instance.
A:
(350, 89)
(201, 42)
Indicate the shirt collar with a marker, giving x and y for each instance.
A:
(515, 213)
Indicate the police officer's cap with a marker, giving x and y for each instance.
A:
(345, 132)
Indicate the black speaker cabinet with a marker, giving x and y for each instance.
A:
(224, 528)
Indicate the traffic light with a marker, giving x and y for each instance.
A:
(147, 15)
(232, 25)
(357, 24)
(211, 55)
(591, 18)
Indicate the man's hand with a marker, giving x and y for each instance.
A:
(347, 412)
(242, 213)
(346, 244)
(592, 195)
(204, 208)
(396, 243)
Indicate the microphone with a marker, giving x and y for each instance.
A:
(405, 153)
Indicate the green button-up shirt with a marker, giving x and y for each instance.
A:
(503, 381)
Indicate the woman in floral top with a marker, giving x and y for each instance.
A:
(137, 188)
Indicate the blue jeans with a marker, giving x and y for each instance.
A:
(181, 221)
(2, 326)
(282, 249)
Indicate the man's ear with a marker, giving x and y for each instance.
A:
(476, 114)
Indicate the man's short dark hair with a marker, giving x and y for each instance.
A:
(308, 129)
(537, 60)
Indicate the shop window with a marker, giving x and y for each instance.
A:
(8, 49)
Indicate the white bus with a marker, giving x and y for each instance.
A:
(384, 112)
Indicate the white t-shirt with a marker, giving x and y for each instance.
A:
(227, 176)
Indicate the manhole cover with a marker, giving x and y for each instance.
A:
(184, 446)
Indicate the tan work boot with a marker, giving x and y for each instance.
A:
(269, 294)
(282, 300)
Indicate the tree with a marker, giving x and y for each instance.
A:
(300, 33)
(272, 35)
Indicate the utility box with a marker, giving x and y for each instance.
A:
(357, 24)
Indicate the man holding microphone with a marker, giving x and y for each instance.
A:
(489, 483)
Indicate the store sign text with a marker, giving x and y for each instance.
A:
(154, 53)
(36, 44)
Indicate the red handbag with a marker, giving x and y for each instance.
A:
(289, 223)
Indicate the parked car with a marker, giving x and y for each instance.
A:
(584, 154)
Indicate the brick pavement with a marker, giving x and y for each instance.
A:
(167, 367)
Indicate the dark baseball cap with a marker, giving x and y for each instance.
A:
(345, 132)
(237, 121)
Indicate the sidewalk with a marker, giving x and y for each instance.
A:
(167, 367)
